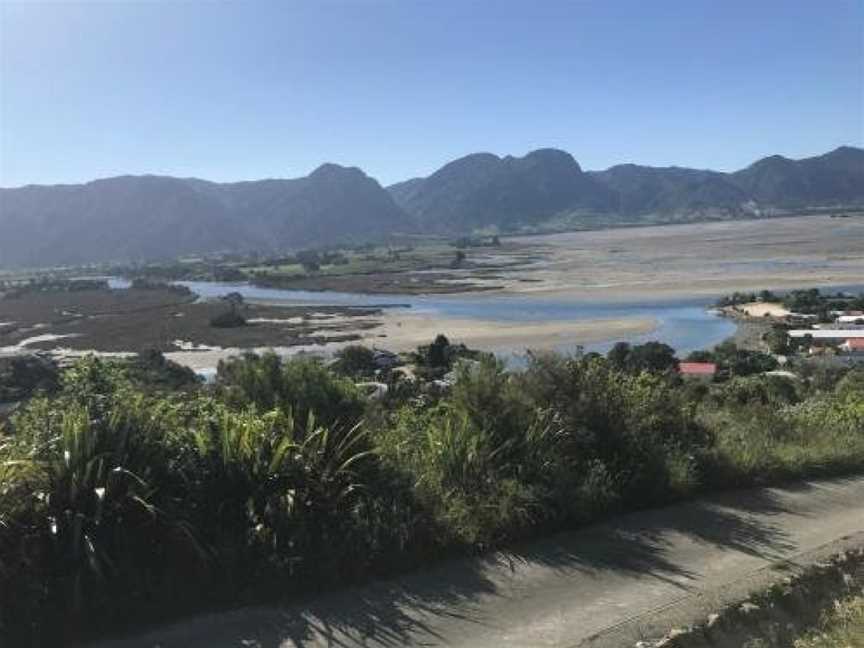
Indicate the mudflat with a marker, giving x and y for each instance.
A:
(641, 264)
(169, 320)
(702, 259)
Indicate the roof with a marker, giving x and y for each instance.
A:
(855, 343)
(697, 368)
(836, 334)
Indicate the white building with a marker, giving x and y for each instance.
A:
(827, 335)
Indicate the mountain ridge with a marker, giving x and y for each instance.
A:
(131, 217)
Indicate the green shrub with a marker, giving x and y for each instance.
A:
(355, 360)
(228, 319)
(299, 386)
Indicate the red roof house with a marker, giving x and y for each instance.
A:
(704, 369)
(853, 345)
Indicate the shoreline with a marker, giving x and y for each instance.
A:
(406, 334)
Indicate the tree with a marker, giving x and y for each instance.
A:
(653, 357)
(742, 362)
(356, 360)
(438, 353)
(619, 355)
(228, 319)
(777, 340)
(700, 356)
(310, 260)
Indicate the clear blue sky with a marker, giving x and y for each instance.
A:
(246, 90)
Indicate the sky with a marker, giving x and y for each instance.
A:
(247, 90)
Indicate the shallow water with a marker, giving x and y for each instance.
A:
(684, 324)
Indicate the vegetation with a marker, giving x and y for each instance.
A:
(653, 357)
(842, 627)
(230, 318)
(734, 361)
(809, 301)
(23, 376)
(123, 500)
(355, 360)
(46, 284)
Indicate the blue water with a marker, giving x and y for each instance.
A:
(684, 324)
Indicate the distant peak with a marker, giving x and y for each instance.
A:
(474, 158)
(477, 161)
(844, 151)
(548, 156)
(330, 170)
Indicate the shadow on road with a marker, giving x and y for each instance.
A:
(461, 593)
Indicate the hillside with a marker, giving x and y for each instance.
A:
(834, 178)
(144, 217)
(481, 190)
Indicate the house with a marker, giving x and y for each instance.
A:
(828, 335)
(854, 345)
(801, 318)
(698, 370)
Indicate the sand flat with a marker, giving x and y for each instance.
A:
(402, 331)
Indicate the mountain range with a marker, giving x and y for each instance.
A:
(148, 217)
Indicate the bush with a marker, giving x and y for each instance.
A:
(300, 386)
(775, 391)
(23, 376)
(228, 319)
(355, 360)
(654, 357)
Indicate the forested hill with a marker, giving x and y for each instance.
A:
(483, 190)
(145, 217)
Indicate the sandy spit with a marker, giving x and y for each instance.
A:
(405, 331)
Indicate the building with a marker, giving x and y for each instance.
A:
(853, 346)
(827, 335)
(698, 370)
(851, 319)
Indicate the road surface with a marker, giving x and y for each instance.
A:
(606, 585)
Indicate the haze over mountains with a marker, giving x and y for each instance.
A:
(147, 217)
